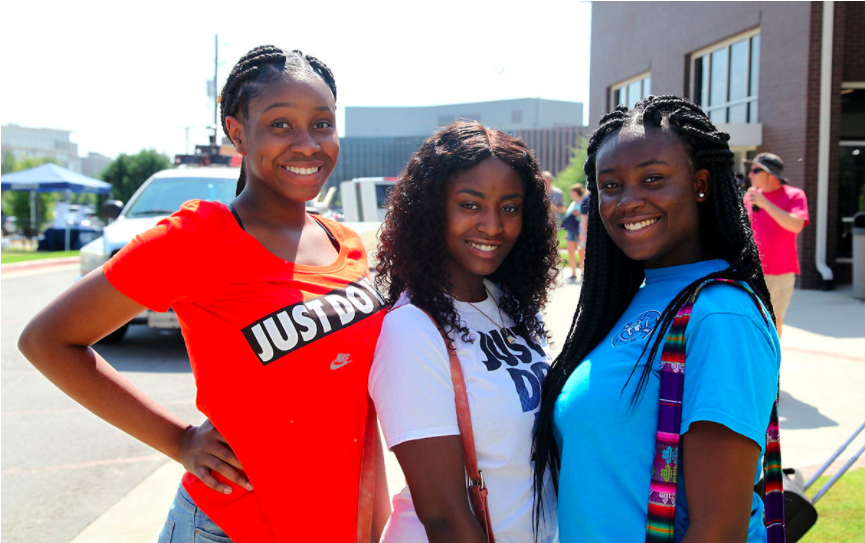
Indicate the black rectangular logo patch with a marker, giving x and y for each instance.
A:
(295, 326)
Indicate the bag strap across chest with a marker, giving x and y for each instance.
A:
(475, 484)
(660, 526)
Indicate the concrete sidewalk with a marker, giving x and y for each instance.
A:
(822, 377)
(822, 404)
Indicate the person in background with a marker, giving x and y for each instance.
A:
(557, 198)
(584, 221)
(778, 212)
(573, 225)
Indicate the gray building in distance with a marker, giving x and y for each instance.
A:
(23, 141)
(379, 141)
(506, 115)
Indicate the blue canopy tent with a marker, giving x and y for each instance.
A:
(52, 178)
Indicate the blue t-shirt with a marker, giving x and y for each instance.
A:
(584, 205)
(606, 446)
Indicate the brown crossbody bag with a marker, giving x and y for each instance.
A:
(477, 488)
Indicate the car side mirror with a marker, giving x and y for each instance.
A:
(111, 209)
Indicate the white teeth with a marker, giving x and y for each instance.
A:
(486, 248)
(639, 225)
(301, 171)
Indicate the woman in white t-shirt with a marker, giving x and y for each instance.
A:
(470, 240)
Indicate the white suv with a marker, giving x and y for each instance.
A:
(157, 198)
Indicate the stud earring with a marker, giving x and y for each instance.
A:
(702, 195)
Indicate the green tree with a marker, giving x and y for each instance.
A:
(128, 172)
(573, 172)
(17, 203)
(8, 162)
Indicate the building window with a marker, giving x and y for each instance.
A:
(851, 193)
(517, 116)
(631, 91)
(726, 78)
(851, 167)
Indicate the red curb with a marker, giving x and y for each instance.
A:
(823, 353)
(39, 263)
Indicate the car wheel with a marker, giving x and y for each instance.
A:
(115, 336)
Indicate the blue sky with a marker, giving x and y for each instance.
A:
(124, 78)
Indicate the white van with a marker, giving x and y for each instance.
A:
(157, 198)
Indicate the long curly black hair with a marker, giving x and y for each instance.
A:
(411, 252)
(612, 279)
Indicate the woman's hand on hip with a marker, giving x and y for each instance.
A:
(203, 451)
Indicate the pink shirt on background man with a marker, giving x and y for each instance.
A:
(777, 245)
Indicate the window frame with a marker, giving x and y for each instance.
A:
(846, 220)
(746, 36)
(624, 84)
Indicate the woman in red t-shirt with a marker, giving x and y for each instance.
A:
(269, 299)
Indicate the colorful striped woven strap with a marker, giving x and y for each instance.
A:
(660, 526)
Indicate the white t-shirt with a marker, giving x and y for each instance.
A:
(410, 382)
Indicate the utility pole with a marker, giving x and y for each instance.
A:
(215, 92)
(186, 130)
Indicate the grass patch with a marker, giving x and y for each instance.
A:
(9, 257)
(563, 242)
(841, 512)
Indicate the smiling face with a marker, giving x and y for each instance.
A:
(648, 195)
(483, 219)
(288, 138)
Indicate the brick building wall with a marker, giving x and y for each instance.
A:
(629, 38)
(852, 15)
(810, 277)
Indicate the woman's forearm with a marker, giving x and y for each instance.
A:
(719, 506)
(460, 526)
(700, 533)
(435, 472)
(57, 342)
(88, 379)
(786, 220)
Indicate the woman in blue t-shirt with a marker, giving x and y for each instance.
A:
(664, 216)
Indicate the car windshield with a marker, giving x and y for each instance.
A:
(165, 195)
(382, 192)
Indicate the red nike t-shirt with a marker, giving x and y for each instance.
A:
(280, 353)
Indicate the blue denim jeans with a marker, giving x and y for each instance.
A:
(186, 523)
